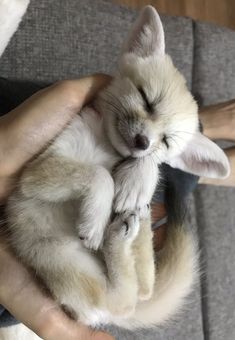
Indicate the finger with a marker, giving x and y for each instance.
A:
(61, 328)
(86, 88)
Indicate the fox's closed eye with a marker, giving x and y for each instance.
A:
(165, 141)
(148, 106)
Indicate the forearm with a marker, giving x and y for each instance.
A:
(218, 120)
(28, 128)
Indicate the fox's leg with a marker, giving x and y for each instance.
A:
(11, 12)
(121, 276)
(58, 179)
(144, 256)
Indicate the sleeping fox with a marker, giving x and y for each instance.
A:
(80, 215)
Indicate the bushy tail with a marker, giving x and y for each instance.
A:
(177, 271)
(11, 13)
(177, 268)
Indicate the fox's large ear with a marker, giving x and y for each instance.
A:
(146, 36)
(202, 157)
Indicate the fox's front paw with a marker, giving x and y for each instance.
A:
(95, 209)
(91, 236)
(93, 219)
(130, 196)
(135, 182)
(125, 226)
(144, 212)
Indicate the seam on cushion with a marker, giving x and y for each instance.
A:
(203, 262)
(196, 95)
(193, 55)
(203, 276)
(194, 64)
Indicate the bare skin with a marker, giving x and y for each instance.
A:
(219, 123)
(23, 133)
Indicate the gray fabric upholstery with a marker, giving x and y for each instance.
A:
(70, 38)
(215, 219)
(214, 63)
(64, 39)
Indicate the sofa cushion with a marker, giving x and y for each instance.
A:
(214, 63)
(69, 38)
(215, 219)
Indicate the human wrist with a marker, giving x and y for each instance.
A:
(158, 210)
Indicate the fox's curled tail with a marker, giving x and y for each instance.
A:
(176, 274)
(177, 269)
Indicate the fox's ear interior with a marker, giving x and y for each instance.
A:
(146, 36)
(202, 157)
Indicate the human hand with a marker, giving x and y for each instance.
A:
(23, 133)
(27, 129)
(20, 295)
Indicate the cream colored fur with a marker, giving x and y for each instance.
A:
(103, 268)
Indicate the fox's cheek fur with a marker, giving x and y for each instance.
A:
(147, 99)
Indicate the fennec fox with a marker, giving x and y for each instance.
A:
(102, 268)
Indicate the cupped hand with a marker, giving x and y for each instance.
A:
(21, 296)
(23, 133)
(218, 120)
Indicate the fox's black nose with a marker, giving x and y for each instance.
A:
(141, 142)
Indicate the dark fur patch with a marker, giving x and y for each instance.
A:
(69, 312)
(176, 186)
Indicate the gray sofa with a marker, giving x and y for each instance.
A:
(70, 38)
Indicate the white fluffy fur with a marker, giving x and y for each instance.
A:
(204, 157)
(64, 199)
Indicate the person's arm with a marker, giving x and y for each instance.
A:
(28, 128)
(218, 122)
(23, 133)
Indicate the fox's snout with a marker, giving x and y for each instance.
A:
(141, 142)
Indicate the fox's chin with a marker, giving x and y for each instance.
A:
(131, 152)
(123, 150)
(139, 153)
